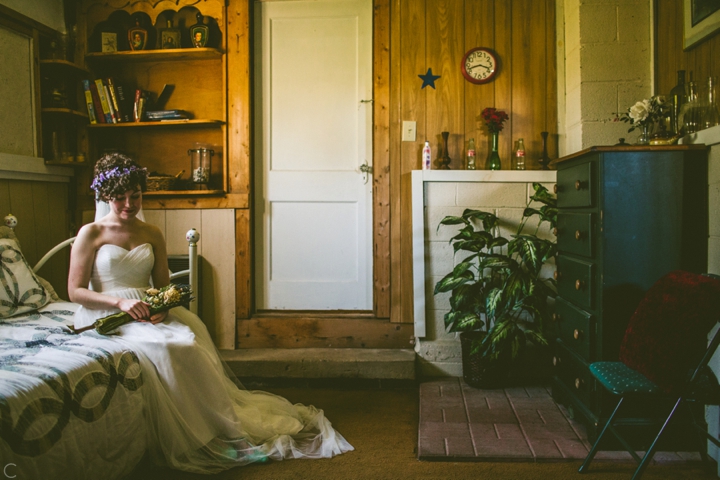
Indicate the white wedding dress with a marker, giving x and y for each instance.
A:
(198, 419)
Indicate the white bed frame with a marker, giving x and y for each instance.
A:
(192, 237)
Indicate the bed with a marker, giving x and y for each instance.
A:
(71, 406)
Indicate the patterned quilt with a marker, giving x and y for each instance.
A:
(70, 405)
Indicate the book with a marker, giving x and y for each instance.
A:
(125, 103)
(96, 103)
(113, 115)
(114, 100)
(104, 101)
(89, 102)
(140, 105)
(167, 115)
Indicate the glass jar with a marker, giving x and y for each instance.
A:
(200, 161)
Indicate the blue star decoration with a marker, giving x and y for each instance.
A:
(429, 79)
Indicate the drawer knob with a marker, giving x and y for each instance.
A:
(557, 275)
(578, 235)
(577, 334)
(579, 284)
(578, 184)
(555, 231)
(556, 361)
(555, 188)
(555, 317)
(579, 383)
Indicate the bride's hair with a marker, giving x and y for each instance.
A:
(115, 174)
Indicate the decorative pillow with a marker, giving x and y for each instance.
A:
(6, 232)
(667, 335)
(20, 289)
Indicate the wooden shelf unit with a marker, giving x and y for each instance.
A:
(62, 105)
(199, 79)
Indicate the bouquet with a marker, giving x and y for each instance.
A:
(159, 300)
(645, 113)
(494, 119)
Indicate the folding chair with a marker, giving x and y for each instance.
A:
(664, 356)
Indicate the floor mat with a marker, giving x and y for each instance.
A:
(523, 424)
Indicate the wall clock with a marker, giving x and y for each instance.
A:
(479, 65)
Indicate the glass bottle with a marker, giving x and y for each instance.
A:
(677, 99)
(493, 158)
(471, 154)
(520, 155)
(691, 112)
(426, 157)
(711, 116)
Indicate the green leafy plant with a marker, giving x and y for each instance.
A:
(497, 288)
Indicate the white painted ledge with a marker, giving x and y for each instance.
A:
(418, 180)
(709, 136)
(21, 167)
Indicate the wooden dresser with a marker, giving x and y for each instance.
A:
(627, 215)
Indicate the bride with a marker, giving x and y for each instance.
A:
(198, 419)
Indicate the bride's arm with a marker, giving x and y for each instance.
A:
(82, 257)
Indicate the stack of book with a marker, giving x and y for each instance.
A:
(107, 102)
(160, 115)
(110, 102)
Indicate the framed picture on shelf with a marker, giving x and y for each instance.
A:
(199, 32)
(137, 36)
(109, 42)
(701, 18)
(169, 37)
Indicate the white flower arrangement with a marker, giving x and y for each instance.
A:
(645, 113)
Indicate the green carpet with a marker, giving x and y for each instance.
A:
(382, 425)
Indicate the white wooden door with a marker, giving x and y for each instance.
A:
(313, 120)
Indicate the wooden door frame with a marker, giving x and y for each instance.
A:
(374, 330)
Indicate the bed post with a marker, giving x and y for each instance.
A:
(193, 236)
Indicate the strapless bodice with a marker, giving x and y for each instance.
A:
(118, 272)
(116, 268)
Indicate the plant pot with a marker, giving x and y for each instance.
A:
(480, 372)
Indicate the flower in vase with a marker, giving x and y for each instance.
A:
(494, 119)
(644, 113)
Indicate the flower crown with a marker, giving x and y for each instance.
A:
(116, 172)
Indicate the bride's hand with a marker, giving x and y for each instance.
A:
(158, 317)
(137, 309)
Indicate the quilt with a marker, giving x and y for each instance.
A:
(70, 405)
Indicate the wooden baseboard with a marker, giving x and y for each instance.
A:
(288, 330)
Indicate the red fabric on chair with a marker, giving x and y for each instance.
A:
(667, 334)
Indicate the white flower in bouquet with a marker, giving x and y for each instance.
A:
(644, 113)
(640, 111)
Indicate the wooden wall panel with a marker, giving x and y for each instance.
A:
(381, 158)
(700, 61)
(436, 34)
(43, 219)
(217, 268)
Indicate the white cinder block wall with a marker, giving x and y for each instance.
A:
(605, 52)
(439, 352)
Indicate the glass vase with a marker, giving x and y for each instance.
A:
(493, 158)
(644, 138)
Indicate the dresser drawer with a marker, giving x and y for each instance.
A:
(575, 328)
(574, 374)
(575, 233)
(576, 186)
(575, 280)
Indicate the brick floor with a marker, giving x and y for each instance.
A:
(459, 422)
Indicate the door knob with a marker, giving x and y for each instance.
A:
(366, 170)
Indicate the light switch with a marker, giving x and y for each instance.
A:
(409, 131)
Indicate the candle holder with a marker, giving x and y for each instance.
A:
(544, 160)
(443, 161)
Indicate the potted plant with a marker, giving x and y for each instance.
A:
(498, 300)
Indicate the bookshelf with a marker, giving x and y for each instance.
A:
(197, 74)
(63, 113)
